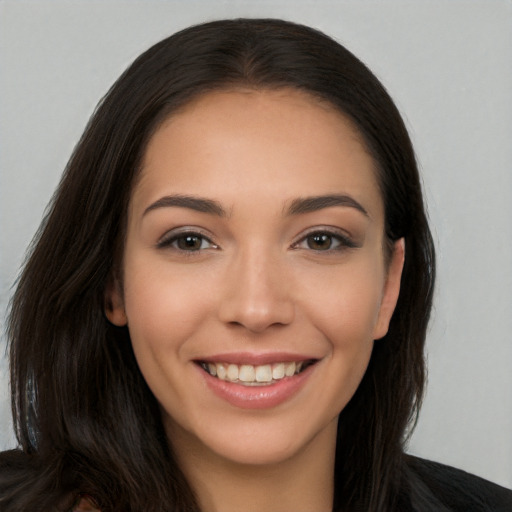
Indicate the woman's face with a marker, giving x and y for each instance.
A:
(254, 275)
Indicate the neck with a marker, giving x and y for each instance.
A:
(302, 483)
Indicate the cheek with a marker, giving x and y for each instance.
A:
(163, 308)
(344, 306)
(343, 309)
(344, 303)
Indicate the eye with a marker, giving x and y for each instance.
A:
(323, 241)
(186, 241)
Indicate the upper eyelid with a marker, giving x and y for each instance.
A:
(329, 230)
(196, 230)
(345, 238)
(181, 231)
(178, 230)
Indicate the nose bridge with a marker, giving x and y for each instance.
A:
(256, 292)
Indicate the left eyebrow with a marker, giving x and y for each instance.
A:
(315, 203)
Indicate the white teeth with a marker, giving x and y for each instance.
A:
(221, 371)
(289, 369)
(249, 374)
(278, 371)
(232, 372)
(264, 373)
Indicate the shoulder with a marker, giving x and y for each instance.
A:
(26, 483)
(448, 489)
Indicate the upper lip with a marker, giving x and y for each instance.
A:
(240, 358)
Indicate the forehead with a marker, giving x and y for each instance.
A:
(282, 143)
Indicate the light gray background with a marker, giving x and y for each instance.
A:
(449, 67)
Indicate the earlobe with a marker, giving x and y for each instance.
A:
(114, 304)
(391, 289)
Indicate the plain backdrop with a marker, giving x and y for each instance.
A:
(448, 65)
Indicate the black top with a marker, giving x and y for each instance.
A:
(426, 487)
(434, 487)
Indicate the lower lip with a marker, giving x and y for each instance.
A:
(257, 397)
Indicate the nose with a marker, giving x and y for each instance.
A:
(256, 294)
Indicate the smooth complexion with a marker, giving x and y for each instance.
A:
(256, 235)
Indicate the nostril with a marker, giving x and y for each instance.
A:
(255, 294)
(257, 319)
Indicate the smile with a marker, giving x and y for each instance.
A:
(255, 375)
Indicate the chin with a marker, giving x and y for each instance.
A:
(257, 452)
(267, 443)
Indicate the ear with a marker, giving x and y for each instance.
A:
(114, 303)
(391, 290)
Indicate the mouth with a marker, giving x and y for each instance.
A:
(255, 375)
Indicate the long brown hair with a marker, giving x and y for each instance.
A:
(85, 418)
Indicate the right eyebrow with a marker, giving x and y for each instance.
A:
(199, 204)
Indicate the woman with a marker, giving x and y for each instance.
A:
(226, 305)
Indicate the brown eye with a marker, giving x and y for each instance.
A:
(189, 242)
(319, 242)
(325, 241)
(186, 242)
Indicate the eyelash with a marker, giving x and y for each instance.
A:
(343, 241)
(172, 240)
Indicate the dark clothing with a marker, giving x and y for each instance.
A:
(426, 487)
(434, 487)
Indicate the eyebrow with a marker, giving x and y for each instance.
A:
(198, 204)
(297, 206)
(315, 203)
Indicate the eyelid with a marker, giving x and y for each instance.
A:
(345, 240)
(165, 241)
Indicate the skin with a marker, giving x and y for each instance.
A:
(258, 284)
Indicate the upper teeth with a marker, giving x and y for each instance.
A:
(250, 374)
